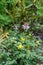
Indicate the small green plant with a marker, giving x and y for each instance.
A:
(20, 49)
(19, 20)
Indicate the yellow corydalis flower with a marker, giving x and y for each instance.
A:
(20, 47)
(30, 34)
(23, 39)
(38, 42)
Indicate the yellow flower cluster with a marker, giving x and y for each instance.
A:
(23, 39)
(20, 47)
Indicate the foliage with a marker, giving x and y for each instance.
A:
(20, 49)
(18, 20)
(16, 10)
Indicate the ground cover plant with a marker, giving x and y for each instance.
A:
(21, 32)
